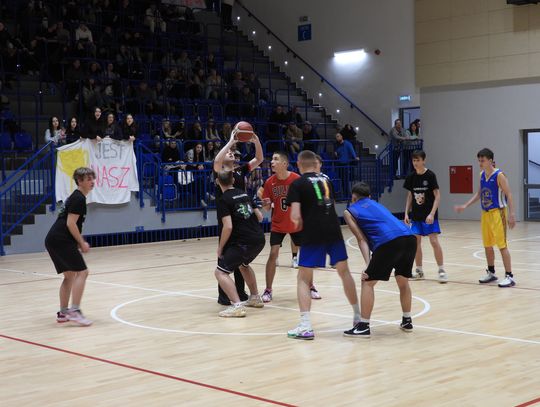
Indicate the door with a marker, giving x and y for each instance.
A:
(531, 150)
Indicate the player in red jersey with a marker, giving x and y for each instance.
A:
(273, 195)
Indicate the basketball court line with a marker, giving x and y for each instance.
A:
(148, 371)
(447, 330)
(529, 403)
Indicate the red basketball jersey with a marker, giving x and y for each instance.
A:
(277, 189)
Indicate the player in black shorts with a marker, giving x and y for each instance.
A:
(65, 243)
(241, 241)
(312, 208)
(226, 160)
(393, 246)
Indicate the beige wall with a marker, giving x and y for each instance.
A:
(468, 41)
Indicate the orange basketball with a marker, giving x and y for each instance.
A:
(244, 131)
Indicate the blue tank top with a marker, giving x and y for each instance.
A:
(491, 196)
(377, 223)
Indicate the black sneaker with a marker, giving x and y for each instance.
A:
(360, 330)
(406, 324)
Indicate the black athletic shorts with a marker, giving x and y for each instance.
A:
(397, 254)
(237, 255)
(276, 238)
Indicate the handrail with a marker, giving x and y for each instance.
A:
(321, 76)
(26, 163)
(535, 163)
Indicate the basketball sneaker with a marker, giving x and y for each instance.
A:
(314, 293)
(507, 282)
(360, 330)
(418, 275)
(234, 311)
(301, 332)
(61, 317)
(267, 295)
(406, 324)
(77, 317)
(294, 264)
(254, 301)
(488, 278)
(443, 277)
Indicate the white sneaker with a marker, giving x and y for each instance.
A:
(294, 264)
(314, 293)
(507, 282)
(233, 311)
(443, 277)
(418, 275)
(77, 317)
(254, 302)
(488, 278)
(301, 332)
(267, 295)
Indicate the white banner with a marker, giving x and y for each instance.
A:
(113, 161)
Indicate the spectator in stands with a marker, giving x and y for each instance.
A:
(212, 83)
(185, 67)
(412, 132)
(123, 59)
(210, 151)
(398, 136)
(247, 103)
(167, 131)
(196, 132)
(107, 44)
(277, 120)
(419, 127)
(196, 155)
(197, 85)
(170, 152)
(308, 134)
(62, 34)
(74, 75)
(5, 37)
(33, 57)
(293, 138)
(91, 93)
(348, 133)
(73, 133)
(83, 36)
(181, 131)
(345, 165)
(112, 129)
(153, 19)
(226, 131)
(211, 132)
(129, 128)
(237, 85)
(294, 116)
(211, 62)
(109, 76)
(127, 14)
(94, 71)
(55, 132)
(94, 126)
(254, 85)
(146, 97)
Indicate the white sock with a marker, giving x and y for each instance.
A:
(441, 267)
(305, 319)
(406, 315)
(356, 312)
(419, 268)
(366, 320)
(237, 304)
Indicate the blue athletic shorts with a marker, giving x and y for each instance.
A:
(314, 255)
(423, 229)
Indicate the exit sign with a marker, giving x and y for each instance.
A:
(405, 98)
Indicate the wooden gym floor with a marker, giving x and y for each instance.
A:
(157, 340)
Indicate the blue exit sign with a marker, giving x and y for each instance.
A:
(304, 32)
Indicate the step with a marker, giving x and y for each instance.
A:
(28, 220)
(10, 207)
(7, 240)
(17, 230)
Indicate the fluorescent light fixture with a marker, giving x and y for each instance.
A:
(349, 57)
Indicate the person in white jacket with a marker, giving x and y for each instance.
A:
(55, 132)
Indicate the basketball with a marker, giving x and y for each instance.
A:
(244, 131)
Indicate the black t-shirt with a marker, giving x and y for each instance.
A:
(421, 187)
(246, 227)
(316, 197)
(76, 204)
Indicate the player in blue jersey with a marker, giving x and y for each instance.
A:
(494, 194)
(392, 246)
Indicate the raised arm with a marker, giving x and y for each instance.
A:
(220, 157)
(259, 155)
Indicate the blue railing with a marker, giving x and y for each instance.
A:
(26, 189)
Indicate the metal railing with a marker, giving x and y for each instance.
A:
(26, 189)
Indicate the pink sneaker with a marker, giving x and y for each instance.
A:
(61, 317)
(314, 293)
(267, 295)
(77, 317)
